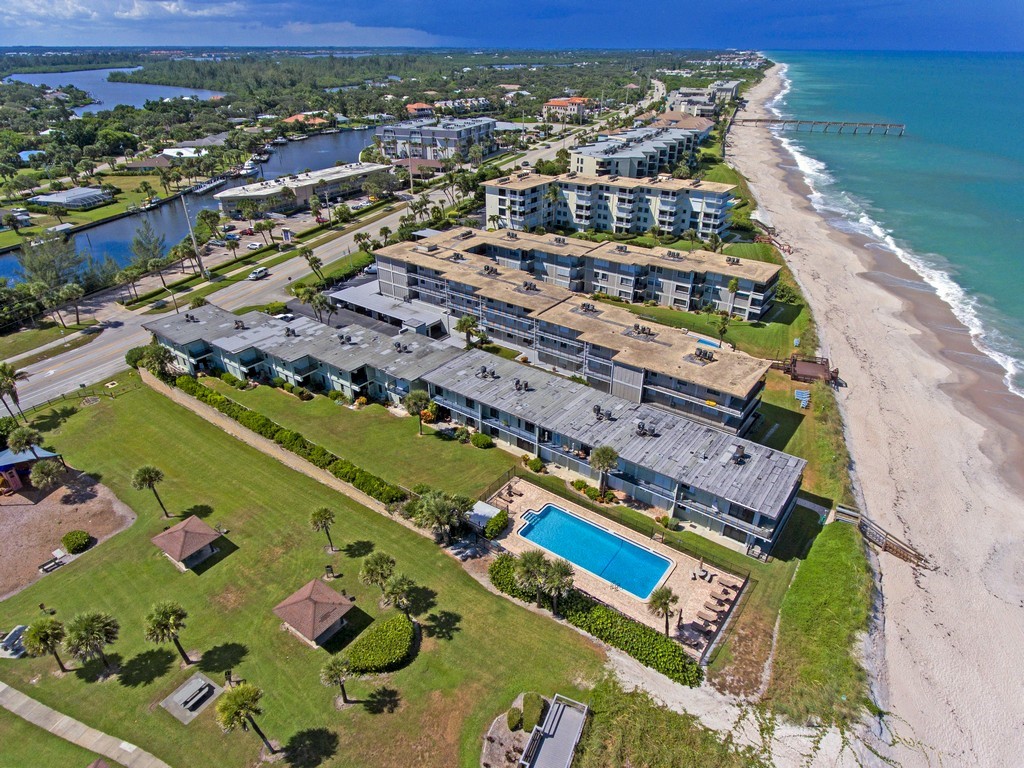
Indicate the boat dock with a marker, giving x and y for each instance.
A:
(823, 126)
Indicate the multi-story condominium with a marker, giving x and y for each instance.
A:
(610, 203)
(720, 483)
(725, 90)
(636, 153)
(566, 109)
(329, 184)
(432, 139)
(601, 343)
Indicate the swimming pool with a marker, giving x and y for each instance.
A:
(607, 555)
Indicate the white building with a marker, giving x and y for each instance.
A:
(432, 139)
(329, 184)
(635, 153)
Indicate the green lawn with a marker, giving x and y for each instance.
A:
(478, 650)
(22, 341)
(23, 744)
(380, 443)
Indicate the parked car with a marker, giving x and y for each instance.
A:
(234, 237)
(248, 231)
(371, 269)
(218, 242)
(286, 316)
(227, 228)
(259, 273)
(254, 246)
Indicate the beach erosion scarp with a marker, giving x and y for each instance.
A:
(938, 456)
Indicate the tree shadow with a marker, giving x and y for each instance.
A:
(93, 670)
(421, 600)
(443, 625)
(224, 549)
(310, 748)
(199, 510)
(358, 548)
(49, 421)
(145, 668)
(381, 700)
(221, 658)
(356, 620)
(80, 489)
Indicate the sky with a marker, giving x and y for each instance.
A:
(978, 25)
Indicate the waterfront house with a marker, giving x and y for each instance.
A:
(288, 193)
(74, 199)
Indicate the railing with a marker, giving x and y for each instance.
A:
(80, 394)
(735, 522)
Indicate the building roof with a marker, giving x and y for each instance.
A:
(687, 261)
(9, 458)
(566, 101)
(300, 180)
(157, 161)
(682, 120)
(525, 180)
(305, 119)
(73, 196)
(183, 540)
(691, 453)
(634, 142)
(312, 609)
(207, 322)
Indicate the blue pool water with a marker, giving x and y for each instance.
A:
(602, 553)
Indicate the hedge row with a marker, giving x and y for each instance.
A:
(648, 646)
(385, 645)
(343, 469)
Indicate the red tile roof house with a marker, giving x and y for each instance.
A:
(305, 119)
(188, 543)
(419, 109)
(314, 613)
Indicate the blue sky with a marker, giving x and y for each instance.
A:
(765, 24)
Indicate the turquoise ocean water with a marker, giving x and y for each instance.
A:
(948, 197)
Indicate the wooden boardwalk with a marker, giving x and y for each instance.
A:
(881, 538)
(824, 126)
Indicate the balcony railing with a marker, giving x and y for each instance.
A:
(735, 522)
(451, 405)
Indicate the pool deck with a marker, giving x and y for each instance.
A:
(693, 593)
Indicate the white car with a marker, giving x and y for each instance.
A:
(254, 246)
(259, 273)
(286, 316)
(371, 269)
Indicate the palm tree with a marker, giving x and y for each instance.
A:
(147, 189)
(361, 239)
(43, 637)
(335, 673)
(239, 707)
(232, 245)
(315, 206)
(733, 288)
(494, 220)
(24, 439)
(530, 569)
(72, 293)
(715, 242)
(164, 623)
(9, 378)
(46, 474)
(320, 304)
(315, 262)
(58, 212)
(722, 327)
(377, 569)
(385, 233)
(466, 324)
(557, 580)
(440, 513)
(321, 519)
(416, 402)
(604, 458)
(148, 476)
(398, 592)
(691, 235)
(660, 603)
(89, 634)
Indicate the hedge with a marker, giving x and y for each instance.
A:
(294, 442)
(648, 646)
(385, 645)
(480, 440)
(514, 718)
(533, 710)
(496, 525)
(75, 541)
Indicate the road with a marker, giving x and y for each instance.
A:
(104, 356)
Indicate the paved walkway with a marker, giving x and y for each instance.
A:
(78, 733)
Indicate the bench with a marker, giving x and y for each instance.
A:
(51, 565)
(193, 694)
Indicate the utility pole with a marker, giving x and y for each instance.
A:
(192, 234)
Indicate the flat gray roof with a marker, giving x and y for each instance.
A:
(368, 296)
(211, 322)
(632, 143)
(690, 453)
(553, 744)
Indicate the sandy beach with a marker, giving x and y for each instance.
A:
(938, 457)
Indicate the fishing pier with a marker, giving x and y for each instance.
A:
(823, 126)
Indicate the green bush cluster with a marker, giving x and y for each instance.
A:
(496, 525)
(462, 434)
(480, 440)
(536, 464)
(134, 356)
(278, 382)
(7, 425)
(232, 380)
(533, 710)
(385, 645)
(514, 719)
(294, 442)
(338, 396)
(646, 645)
(75, 541)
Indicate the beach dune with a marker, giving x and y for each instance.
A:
(936, 443)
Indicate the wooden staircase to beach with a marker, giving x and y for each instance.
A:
(881, 538)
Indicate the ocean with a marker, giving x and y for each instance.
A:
(948, 196)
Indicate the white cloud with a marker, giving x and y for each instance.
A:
(343, 33)
(150, 9)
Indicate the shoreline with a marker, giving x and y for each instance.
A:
(937, 458)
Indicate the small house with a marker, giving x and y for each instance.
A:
(314, 613)
(188, 543)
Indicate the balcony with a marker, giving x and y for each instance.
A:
(511, 429)
(694, 399)
(643, 485)
(455, 407)
(735, 522)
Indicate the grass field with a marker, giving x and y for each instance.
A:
(377, 441)
(478, 650)
(23, 744)
(22, 341)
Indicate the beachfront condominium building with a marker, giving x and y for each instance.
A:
(432, 139)
(617, 204)
(719, 483)
(567, 109)
(288, 193)
(601, 343)
(636, 153)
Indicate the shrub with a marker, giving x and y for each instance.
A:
(385, 645)
(134, 356)
(462, 434)
(302, 393)
(579, 485)
(533, 710)
(515, 719)
(232, 381)
(276, 308)
(480, 440)
(496, 525)
(361, 401)
(536, 464)
(75, 541)
(336, 395)
(288, 387)
(420, 488)
(278, 382)
(592, 493)
(7, 425)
